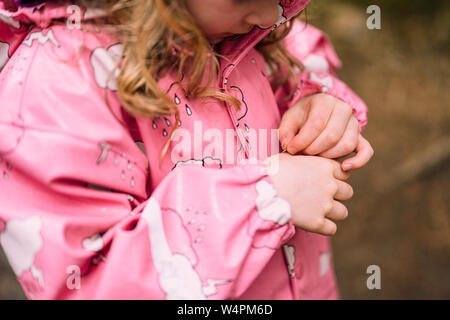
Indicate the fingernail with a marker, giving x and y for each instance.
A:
(347, 166)
(284, 143)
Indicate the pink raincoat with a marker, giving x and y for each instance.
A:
(87, 213)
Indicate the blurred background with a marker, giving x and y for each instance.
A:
(400, 214)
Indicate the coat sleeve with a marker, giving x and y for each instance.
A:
(77, 220)
(66, 241)
(312, 48)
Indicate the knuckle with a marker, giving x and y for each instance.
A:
(283, 132)
(309, 152)
(332, 136)
(282, 129)
(347, 108)
(348, 146)
(318, 124)
(319, 224)
(332, 188)
(316, 99)
(325, 98)
(333, 165)
(327, 206)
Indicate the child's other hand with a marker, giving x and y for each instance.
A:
(314, 188)
(323, 125)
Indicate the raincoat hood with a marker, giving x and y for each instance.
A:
(19, 14)
(41, 12)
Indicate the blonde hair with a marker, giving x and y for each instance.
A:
(150, 31)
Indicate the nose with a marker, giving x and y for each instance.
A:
(265, 15)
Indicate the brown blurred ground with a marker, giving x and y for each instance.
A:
(399, 218)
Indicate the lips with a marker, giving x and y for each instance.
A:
(236, 33)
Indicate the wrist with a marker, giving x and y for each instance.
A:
(272, 163)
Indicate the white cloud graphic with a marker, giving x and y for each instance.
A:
(94, 243)
(289, 252)
(270, 207)
(327, 82)
(104, 62)
(316, 63)
(4, 54)
(207, 162)
(41, 38)
(177, 276)
(21, 240)
(324, 263)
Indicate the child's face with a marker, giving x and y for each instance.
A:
(219, 19)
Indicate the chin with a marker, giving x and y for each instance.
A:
(215, 40)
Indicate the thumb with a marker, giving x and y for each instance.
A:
(286, 133)
(364, 153)
(291, 122)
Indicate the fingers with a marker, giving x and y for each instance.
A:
(293, 119)
(339, 212)
(327, 228)
(348, 142)
(344, 191)
(317, 120)
(338, 173)
(334, 131)
(364, 153)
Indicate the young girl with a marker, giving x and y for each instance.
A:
(114, 119)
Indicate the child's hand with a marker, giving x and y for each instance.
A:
(324, 125)
(314, 187)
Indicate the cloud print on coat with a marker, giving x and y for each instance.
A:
(325, 260)
(270, 207)
(326, 82)
(289, 252)
(41, 38)
(4, 54)
(21, 240)
(104, 62)
(93, 243)
(316, 63)
(207, 162)
(177, 276)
